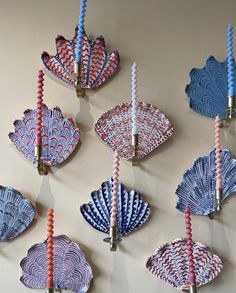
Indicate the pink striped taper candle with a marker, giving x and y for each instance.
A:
(192, 279)
(39, 108)
(50, 248)
(218, 167)
(116, 164)
(218, 153)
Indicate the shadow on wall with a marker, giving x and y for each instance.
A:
(84, 118)
(228, 137)
(119, 280)
(45, 199)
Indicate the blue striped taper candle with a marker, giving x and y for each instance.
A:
(78, 49)
(230, 61)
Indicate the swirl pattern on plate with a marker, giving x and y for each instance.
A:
(114, 128)
(59, 136)
(197, 188)
(170, 264)
(70, 268)
(208, 89)
(16, 213)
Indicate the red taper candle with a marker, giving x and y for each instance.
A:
(192, 279)
(39, 108)
(50, 248)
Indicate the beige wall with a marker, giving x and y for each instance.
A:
(166, 38)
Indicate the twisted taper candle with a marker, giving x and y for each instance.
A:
(218, 153)
(192, 280)
(134, 108)
(78, 49)
(116, 164)
(50, 248)
(39, 108)
(230, 61)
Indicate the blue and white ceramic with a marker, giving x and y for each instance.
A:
(197, 189)
(60, 136)
(131, 214)
(208, 89)
(16, 213)
(71, 271)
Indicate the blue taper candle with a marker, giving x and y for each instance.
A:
(83, 4)
(230, 62)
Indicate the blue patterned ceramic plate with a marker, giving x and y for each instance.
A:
(131, 214)
(16, 213)
(197, 189)
(208, 89)
(170, 264)
(59, 135)
(70, 268)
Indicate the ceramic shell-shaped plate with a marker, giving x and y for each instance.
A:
(114, 128)
(16, 213)
(170, 264)
(197, 189)
(97, 65)
(132, 211)
(71, 269)
(208, 89)
(59, 136)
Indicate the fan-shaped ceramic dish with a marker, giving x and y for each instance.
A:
(197, 188)
(170, 264)
(71, 269)
(97, 66)
(114, 128)
(59, 136)
(16, 213)
(132, 211)
(208, 89)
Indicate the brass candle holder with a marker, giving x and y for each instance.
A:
(193, 289)
(231, 107)
(77, 77)
(42, 168)
(219, 195)
(218, 207)
(113, 239)
(135, 138)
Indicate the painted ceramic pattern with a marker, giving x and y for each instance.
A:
(208, 89)
(197, 188)
(132, 211)
(71, 269)
(170, 264)
(59, 137)
(114, 128)
(16, 213)
(97, 65)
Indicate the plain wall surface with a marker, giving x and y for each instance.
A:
(166, 38)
